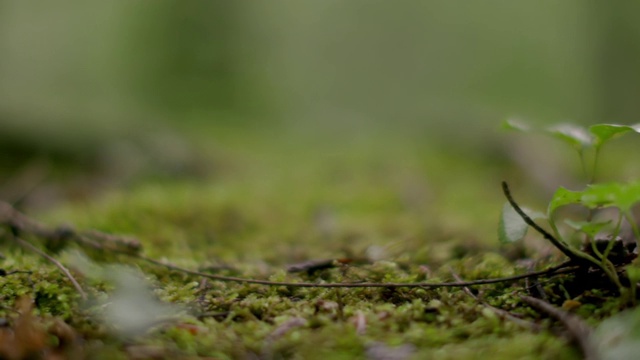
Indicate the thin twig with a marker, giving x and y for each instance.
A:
(559, 269)
(535, 226)
(538, 288)
(351, 285)
(14, 219)
(17, 272)
(579, 331)
(501, 313)
(62, 268)
(126, 246)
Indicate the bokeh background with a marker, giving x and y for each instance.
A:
(98, 94)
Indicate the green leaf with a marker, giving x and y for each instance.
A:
(574, 135)
(633, 272)
(622, 196)
(630, 196)
(516, 124)
(588, 227)
(512, 227)
(606, 132)
(601, 195)
(563, 197)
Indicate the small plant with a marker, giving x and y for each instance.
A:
(599, 250)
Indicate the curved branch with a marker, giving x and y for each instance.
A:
(562, 247)
(125, 246)
(559, 269)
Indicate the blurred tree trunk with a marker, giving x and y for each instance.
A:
(617, 55)
(184, 54)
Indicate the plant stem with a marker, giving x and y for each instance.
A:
(584, 164)
(560, 245)
(574, 254)
(595, 165)
(611, 243)
(595, 249)
(634, 226)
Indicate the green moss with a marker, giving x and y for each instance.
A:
(416, 219)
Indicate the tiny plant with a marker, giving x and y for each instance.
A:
(599, 250)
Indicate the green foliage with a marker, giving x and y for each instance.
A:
(622, 196)
(590, 228)
(594, 196)
(605, 132)
(250, 224)
(561, 198)
(576, 136)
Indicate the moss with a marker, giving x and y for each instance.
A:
(277, 207)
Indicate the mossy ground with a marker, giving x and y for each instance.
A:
(416, 210)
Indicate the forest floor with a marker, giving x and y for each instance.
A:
(298, 208)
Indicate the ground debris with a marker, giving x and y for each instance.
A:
(29, 338)
(578, 330)
(379, 351)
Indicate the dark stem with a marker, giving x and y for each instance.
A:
(122, 245)
(543, 232)
(559, 269)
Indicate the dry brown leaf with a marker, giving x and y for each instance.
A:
(27, 338)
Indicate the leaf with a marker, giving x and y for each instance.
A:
(606, 132)
(600, 195)
(132, 308)
(629, 196)
(516, 124)
(27, 338)
(588, 227)
(574, 135)
(633, 272)
(563, 197)
(623, 196)
(619, 336)
(512, 227)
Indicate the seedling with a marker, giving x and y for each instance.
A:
(605, 253)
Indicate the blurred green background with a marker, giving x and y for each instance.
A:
(244, 134)
(112, 87)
